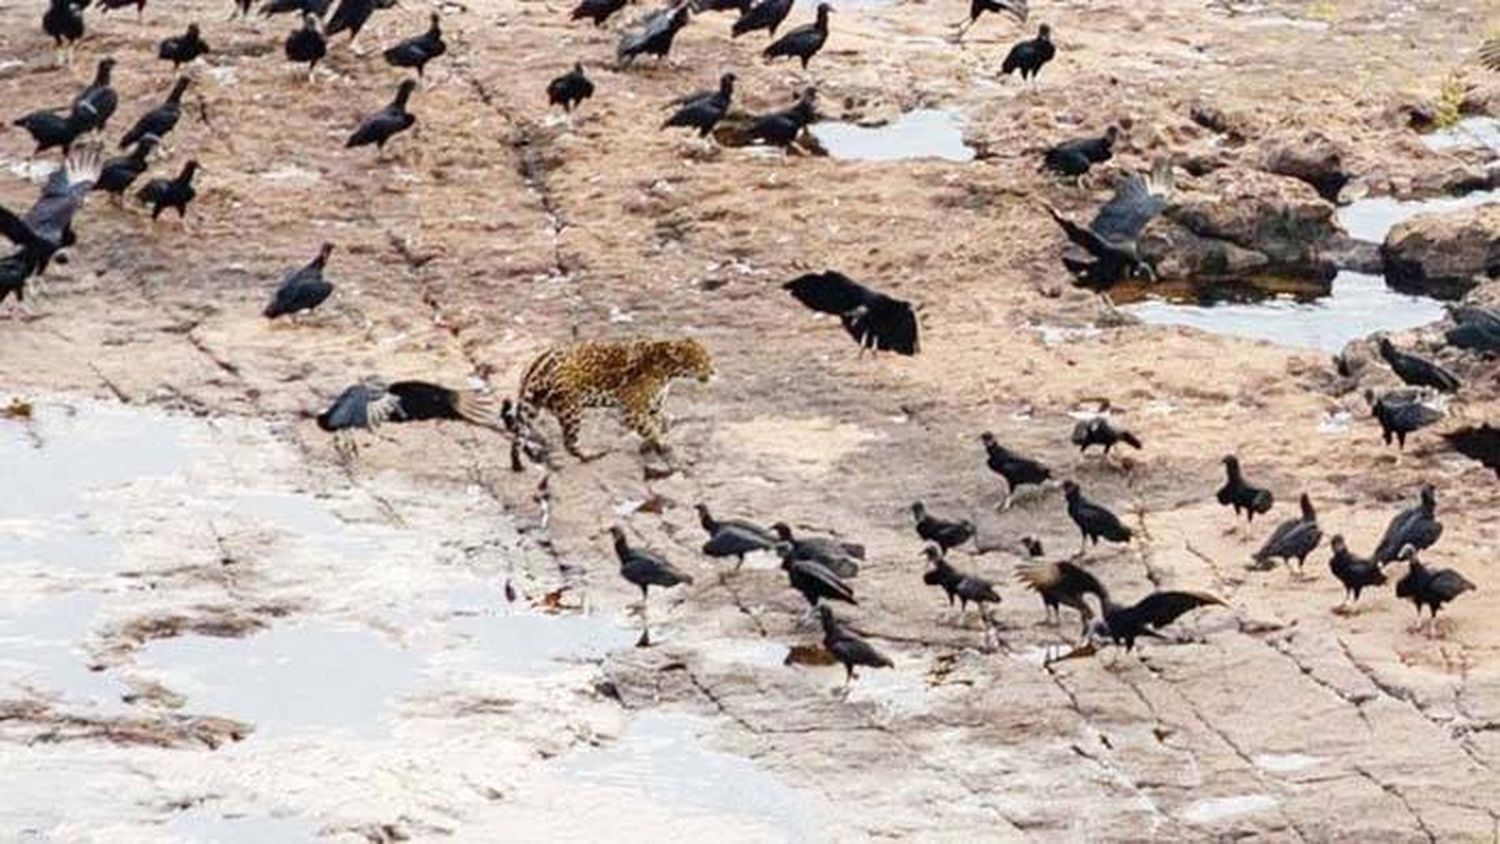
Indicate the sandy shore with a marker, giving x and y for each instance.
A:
(208, 533)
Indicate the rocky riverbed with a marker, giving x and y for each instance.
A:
(213, 628)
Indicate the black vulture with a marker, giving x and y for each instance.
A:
(1475, 328)
(351, 15)
(1425, 587)
(1076, 157)
(1481, 444)
(767, 15)
(1111, 240)
(96, 103)
(1241, 494)
(317, 8)
(418, 50)
(805, 41)
(875, 321)
(1402, 412)
(947, 535)
(1415, 370)
(841, 558)
(1098, 431)
(50, 129)
(158, 122)
(372, 403)
(181, 49)
(307, 44)
(1354, 572)
(111, 5)
(654, 35)
(118, 174)
(1014, 8)
(302, 289)
(1292, 539)
(783, 128)
(598, 11)
(712, 525)
(704, 109)
(849, 649)
(1018, 471)
(1062, 584)
(1123, 625)
(1416, 527)
(570, 89)
(645, 568)
(1029, 56)
(162, 194)
(47, 227)
(1094, 521)
(63, 21)
(812, 579)
(964, 587)
(390, 121)
(733, 537)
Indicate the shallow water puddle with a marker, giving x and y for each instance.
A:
(203, 826)
(289, 678)
(525, 643)
(1358, 305)
(923, 133)
(1291, 314)
(1469, 133)
(41, 653)
(661, 760)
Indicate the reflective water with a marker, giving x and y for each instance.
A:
(923, 133)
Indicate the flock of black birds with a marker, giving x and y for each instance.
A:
(819, 568)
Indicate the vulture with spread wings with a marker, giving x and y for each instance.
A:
(876, 321)
(1110, 244)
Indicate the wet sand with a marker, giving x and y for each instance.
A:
(290, 647)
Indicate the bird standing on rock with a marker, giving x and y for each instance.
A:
(1017, 471)
(655, 34)
(1416, 527)
(645, 568)
(1108, 250)
(1076, 157)
(385, 124)
(598, 11)
(1292, 539)
(50, 129)
(783, 128)
(1098, 431)
(95, 104)
(733, 537)
(1240, 494)
(964, 587)
(1403, 412)
(1123, 625)
(158, 122)
(63, 21)
(570, 89)
(118, 174)
(946, 535)
(1425, 587)
(1029, 56)
(162, 194)
(418, 50)
(812, 579)
(849, 649)
(805, 41)
(1415, 370)
(182, 49)
(351, 15)
(704, 109)
(306, 44)
(1062, 584)
(767, 15)
(841, 558)
(1094, 522)
(1354, 572)
(712, 525)
(303, 289)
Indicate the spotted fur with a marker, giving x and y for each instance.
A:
(631, 375)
